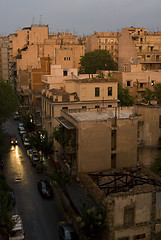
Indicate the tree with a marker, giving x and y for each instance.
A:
(126, 99)
(156, 166)
(8, 101)
(148, 95)
(92, 221)
(29, 125)
(91, 62)
(41, 142)
(6, 206)
(157, 92)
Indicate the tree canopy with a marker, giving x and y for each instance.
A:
(91, 62)
(126, 99)
(8, 101)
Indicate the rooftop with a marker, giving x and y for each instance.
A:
(100, 114)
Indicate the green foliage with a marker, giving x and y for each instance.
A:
(29, 125)
(60, 178)
(157, 92)
(6, 206)
(156, 166)
(148, 95)
(60, 136)
(4, 146)
(41, 142)
(125, 97)
(8, 101)
(93, 221)
(91, 62)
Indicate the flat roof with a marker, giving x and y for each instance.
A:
(65, 123)
(100, 115)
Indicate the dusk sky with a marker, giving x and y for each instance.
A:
(81, 17)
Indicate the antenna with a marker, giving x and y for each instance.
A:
(40, 22)
(33, 20)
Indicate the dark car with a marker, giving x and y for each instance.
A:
(13, 140)
(35, 159)
(67, 232)
(45, 189)
(11, 192)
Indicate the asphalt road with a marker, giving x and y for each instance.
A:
(40, 216)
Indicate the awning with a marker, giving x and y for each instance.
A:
(65, 123)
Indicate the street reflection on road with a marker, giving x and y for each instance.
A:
(16, 160)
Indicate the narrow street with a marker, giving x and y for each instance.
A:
(40, 216)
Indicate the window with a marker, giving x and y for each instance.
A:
(157, 57)
(84, 106)
(65, 73)
(140, 48)
(129, 215)
(97, 92)
(109, 106)
(109, 91)
(113, 140)
(128, 83)
(141, 85)
(159, 121)
(97, 106)
(140, 236)
(64, 107)
(113, 160)
(124, 238)
(148, 56)
(152, 83)
(64, 58)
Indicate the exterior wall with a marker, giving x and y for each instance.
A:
(151, 131)
(143, 208)
(94, 146)
(19, 41)
(127, 50)
(29, 58)
(126, 142)
(38, 34)
(86, 91)
(4, 63)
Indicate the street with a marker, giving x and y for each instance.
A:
(40, 216)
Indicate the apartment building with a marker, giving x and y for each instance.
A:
(69, 92)
(101, 138)
(137, 80)
(104, 40)
(4, 59)
(137, 45)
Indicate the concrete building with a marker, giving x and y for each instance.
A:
(63, 89)
(101, 138)
(137, 45)
(137, 80)
(4, 59)
(104, 40)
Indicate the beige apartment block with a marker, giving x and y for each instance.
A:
(4, 59)
(101, 138)
(29, 36)
(82, 93)
(137, 45)
(137, 80)
(104, 40)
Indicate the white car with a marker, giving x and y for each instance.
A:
(17, 231)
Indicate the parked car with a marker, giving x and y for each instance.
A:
(30, 152)
(16, 116)
(20, 125)
(17, 231)
(34, 159)
(45, 188)
(13, 140)
(12, 196)
(26, 142)
(67, 232)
